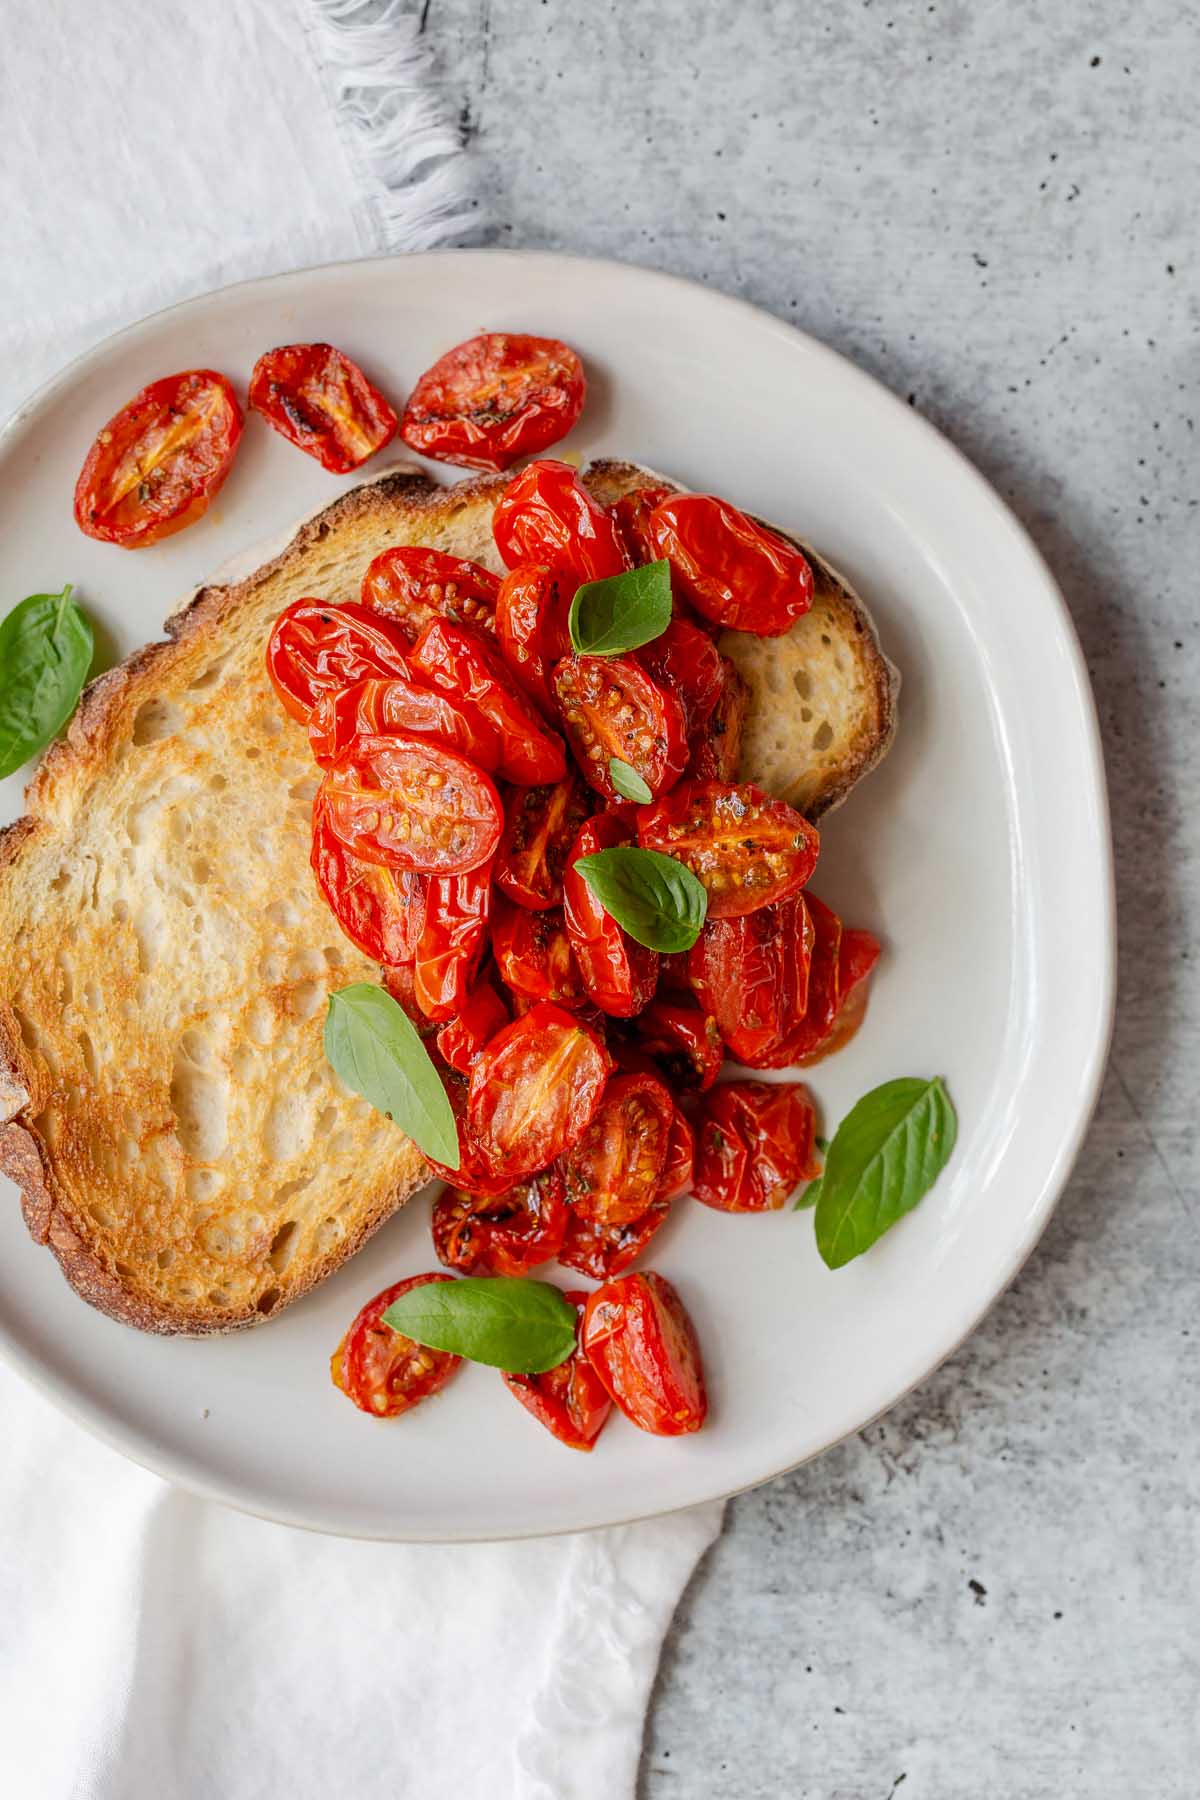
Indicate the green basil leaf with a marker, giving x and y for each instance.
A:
(886, 1154)
(628, 782)
(655, 899)
(622, 612)
(525, 1327)
(45, 653)
(808, 1196)
(376, 1050)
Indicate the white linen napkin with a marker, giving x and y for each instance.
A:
(154, 1646)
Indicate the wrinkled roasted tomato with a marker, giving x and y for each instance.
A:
(540, 826)
(495, 398)
(685, 662)
(643, 1346)
(547, 516)
(747, 849)
(381, 911)
(535, 1089)
(684, 1041)
(411, 804)
(717, 743)
(452, 941)
(569, 1400)
(376, 708)
(680, 1161)
(601, 1251)
(611, 707)
(381, 1370)
(414, 586)
(752, 975)
(754, 1145)
(501, 1234)
(632, 514)
(730, 568)
(837, 999)
(533, 954)
(315, 649)
(615, 1170)
(532, 630)
(323, 403)
(619, 974)
(474, 1174)
(466, 665)
(480, 1017)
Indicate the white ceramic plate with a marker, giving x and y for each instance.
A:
(979, 852)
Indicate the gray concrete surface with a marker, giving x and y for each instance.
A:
(992, 207)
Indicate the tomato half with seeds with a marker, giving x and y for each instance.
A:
(158, 463)
(685, 662)
(381, 911)
(535, 1089)
(533, 954)
(482, 1014)
(400, 704)
(497, 397)
(569, 1400)
(642, 1344)
(747, 849)
(316, 648)
(540, 826)
(717, 744)
(684, 1041)
(411, 804)
(601, 1251)
(452, 941)
(614, 1172)
(414, 586)
(729, 567)
(319, 400)
(474, 1174)
(619, 974)
(501, 1234)
(752, 974)
(547, 516)
(381, 1370)
(532, 630)
(632, 514)
(754, 1146)
(611, 707)
(465, 664)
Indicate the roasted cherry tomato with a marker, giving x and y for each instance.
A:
(323, 403)
(602, 1251)
(533, 954)
(632, 514)
(315, 648)
(717, 743)
(569, 1400)
(837, 998)
(547, 516)
(729, 567)
(619, 974)
(463, 663)
(680, 1159)
(474, 1174)
(535, 1089)
(532, 631)
(540, 826)
(611, 707)
(414, 586)
(685, 662)
(857, 956)
(381, 1370)
(381, 911)
(754, 1145)
(375, 708)
(497, 397)
(501, 1234)
(452, 941)
(158, 462)
(410, 804)
(747, 849)
(752, 975)
(643, 1346)
(400, 983)
(684, 1041)
(482, 1015)
(615, 1170)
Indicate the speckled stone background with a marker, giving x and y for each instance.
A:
(993, 208)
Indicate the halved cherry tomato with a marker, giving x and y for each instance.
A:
(465, 664)
(841, 963)
(482, 1015)
(754, 1145)
(684, 1041)
(680, 1159)
(315, 648)
(729, 567)
(602, 1251)
(414, 586)
(614, 1172)
(157, 464)
(453, 940)
(632, 514)
(532, 631)
(410, 804)
(399, 980)
(717, 743)
(546, 515)
(381, 911)
(611, 707)
(747, 849)
(533, 954)
(375, 708)
(319, 400)
(497, 397)
(685, 662)
(752, 975)
(535, 1089)
(501, 1234)
(381, 1370)
(643, 1346)
(474, 1174)
(857, 956)
(619, 974)
(540, 827)
(569, 1400)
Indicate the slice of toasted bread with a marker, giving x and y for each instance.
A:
(180, 1141)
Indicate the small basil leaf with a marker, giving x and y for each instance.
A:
(45, 653)
(628, 782)
(808, 1196)
(621, 612)
(376, 1050)
(886, 1154)
(655, 899)
(525, 1327)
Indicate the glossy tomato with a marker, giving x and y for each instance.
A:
(600, 1250)
(398, 979)
(474, 1174)
(611, 707)
(533, 954)
(685, 662)
(315, 649)
(466, 665)
(414, 586)
(683, 1041)
(376, 708)
(532, 630)
(632, 514)
(501, 1234)
(569, 1400)
(383, 1372)
(381, 911)
(615, 1170)
(679, 1165)
(841, 964)
(535, 1089)
(452, 941)
(857, 956)
(482, 1014)
(755, 1145)
(411, 804)
(323, 403)
(729, 567)
(547, 516)
(619, 974)
(717, 744)
(497, 397)
(540, 826)
(747, 849)
(752, 975)
(643, 1346)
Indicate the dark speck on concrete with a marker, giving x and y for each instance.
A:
(979, 1591)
